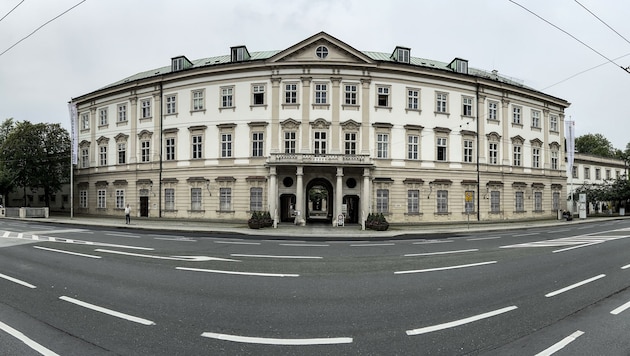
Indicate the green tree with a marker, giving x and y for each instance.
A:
(6, 176)
(594, 144)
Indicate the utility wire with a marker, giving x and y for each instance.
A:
(37, 29)
(602, 21)
(584, 71)
(570, 35)
(16, 6)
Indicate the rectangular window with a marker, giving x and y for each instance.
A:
(321, 92)
(382, 200)
(492, 110)
(413, 147)
(493, 153)
(516, 115)
(255, 199)
(382, 145)
(536, 157)
(195, 199)
(442, 201)
(467, 106)
(495, 201)
(538, 201)
(519, 202)
(350, 143)
(535, 118)
(382, 96)
(83, 199)
(120, 198)
(169, 199)
(441, 101)
(102, 117)
(468, 151)
(554, 159)
(587, 173)
(85, 157)
(289, 141)
(101, 199)
(257, 144)
(350, 91)
(225, 199)
(413, 99)
(197, 146)
(171, 104)
(145, 109)
(441, 149)
(145, 152)
(607, 173)
(170, 148)
(469, 201)
(413, 201)
(198, 101)
(102, 155)
(226, 145)
(290, 93)
(258, 94)
(575, 172)
(598, 174)
(319, 143)
(555, 200)
(553, 123)
(122, 153)
(517, 155)
(227, 97)
(122, 113)
(85, 121)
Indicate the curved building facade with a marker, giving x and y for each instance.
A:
(317, 130)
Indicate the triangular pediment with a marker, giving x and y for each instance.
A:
(322, 48)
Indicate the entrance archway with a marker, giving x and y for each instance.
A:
(352, 206)
(287, 207)
(319, 201)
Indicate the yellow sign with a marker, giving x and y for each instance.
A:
(469, 197)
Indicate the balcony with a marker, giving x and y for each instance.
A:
(312, 159)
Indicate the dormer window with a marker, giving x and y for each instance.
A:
(402, 55)
(240, 54)
(180, 63)
(459, 65)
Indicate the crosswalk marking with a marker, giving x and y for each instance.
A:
(567, 241)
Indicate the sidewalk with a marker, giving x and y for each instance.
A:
(315, 231)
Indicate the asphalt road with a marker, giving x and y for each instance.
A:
(73, 290)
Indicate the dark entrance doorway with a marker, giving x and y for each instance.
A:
(319, 201)
(352, 208)
(287, 207)
(144, 206)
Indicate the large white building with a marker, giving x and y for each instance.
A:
(317, 130)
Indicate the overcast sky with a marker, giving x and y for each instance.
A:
(102, 41)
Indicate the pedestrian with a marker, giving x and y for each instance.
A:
(127, 215)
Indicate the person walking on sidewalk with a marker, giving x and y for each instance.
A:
(127, 215)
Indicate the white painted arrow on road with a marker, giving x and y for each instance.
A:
(172, 258)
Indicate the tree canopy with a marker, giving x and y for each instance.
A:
(595, 144)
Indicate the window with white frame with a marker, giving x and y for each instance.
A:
(468, 151)
(413, 201)
(493, 153)
(553, 123)
(467, 106)
(120, 198)
(598, 174)
(382, 145)
(319, 142)
(145, 151)
(493, 110)
(495, 201)
(441, 102)
(258, 144)
(102, 155)
(517, 150)
(122, 152)
(226, 145)
(608, 176)
(122, 113)
(225, 199)
(382, 200)
(83, 199)
(85, 121)
(535, 119)
(321, 93)
(413, 99)
(169, 199)
(85, 157)
(382, 96)
(519, 201)
(413, 147)
(441, 149)
(289, 141)
(538, 198)
(350, 143)
(198, 100)
(587, 173)
(171, 104)
(516, 115)
(256, 199)
(403, 55)
(145, 109)
(227, 97)
(442, 201)
(554, 158)
(574, 172)
(291, 93)
(102, 117)
(350, 94)
(169, 145)
(258, 94)
(535, 157)
(197, 146)
(101, 196)
(195, 199)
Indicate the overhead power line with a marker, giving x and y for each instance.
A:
(602, 21)
(16, 6)
(37, 29)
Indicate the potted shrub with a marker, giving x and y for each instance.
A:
(267, 221)
(255, 222)
(380, 223)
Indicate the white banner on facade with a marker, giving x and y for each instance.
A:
(72, 108)
(569, 134)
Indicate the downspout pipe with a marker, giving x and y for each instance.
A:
(161, 149)
(477, 158)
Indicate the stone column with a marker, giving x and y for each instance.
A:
(365, 197)
(338, 194)
(546, 148)
(306, 117)
(335, 103)
(299, 196)
(275, 114)
(272, 196)
(506, 120)
(482, 120)
(365, 116)
(133, 131)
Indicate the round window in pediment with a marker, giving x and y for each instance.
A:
(321, 52)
